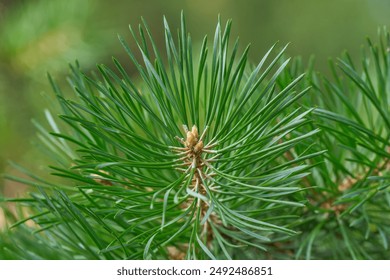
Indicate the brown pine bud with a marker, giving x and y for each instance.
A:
(191, 140)
(198, 147)
(195, 132)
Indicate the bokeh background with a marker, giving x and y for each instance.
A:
(40, 36)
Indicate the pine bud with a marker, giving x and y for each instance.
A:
(191, 140)
(198, 147)
(195, 132)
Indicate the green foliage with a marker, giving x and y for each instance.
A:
(348, 210)
(355, 115)
(209, 157)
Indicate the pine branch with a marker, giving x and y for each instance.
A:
(208, 157)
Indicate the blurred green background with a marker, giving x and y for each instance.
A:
(40, 36)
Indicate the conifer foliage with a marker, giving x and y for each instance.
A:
(206, 156)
